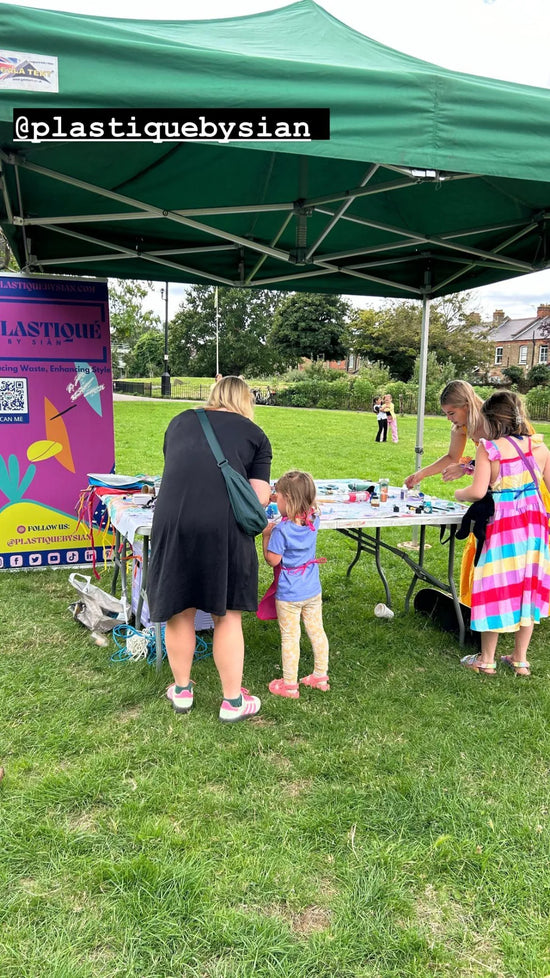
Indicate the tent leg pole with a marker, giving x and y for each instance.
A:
(422, 377)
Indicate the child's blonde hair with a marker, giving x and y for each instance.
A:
(461, 394)
(505, 414)
(232, 394)
(299, 491)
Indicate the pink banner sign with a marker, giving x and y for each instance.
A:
(56, 416)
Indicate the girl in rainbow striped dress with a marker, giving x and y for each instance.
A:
(511, 587)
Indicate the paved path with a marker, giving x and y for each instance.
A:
(158, 400)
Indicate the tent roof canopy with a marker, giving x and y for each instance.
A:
(432, 181)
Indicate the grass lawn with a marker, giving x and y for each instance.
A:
(397, 827)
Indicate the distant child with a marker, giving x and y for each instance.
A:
(291, 546)
(382, 419)
(390, 417)
(511, 587)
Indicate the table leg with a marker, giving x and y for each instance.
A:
(144, 573)
(379, 568)
(116, 561)
(417, 567)
(357, 552)
(123, 553)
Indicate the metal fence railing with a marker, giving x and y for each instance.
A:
(539, 408)
(405, 402)
(143, 387)
(183, 390)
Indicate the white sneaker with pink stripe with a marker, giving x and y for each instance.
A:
(249, 708)
(183, 701)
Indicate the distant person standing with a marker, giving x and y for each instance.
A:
(390, 417)
(380, 412)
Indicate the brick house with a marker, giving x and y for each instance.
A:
(519, 342)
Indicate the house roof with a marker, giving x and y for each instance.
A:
(518, 329)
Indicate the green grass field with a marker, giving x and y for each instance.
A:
(397, 827)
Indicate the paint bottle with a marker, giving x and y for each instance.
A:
(353, 497)
(361, 496)
(384, 485)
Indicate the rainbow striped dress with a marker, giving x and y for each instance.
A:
(511, 587)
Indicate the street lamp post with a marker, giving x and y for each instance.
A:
(165, 382)
(217, 310)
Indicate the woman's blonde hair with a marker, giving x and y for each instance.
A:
(299, 491)
(461, 394)
(505, 414)
(232, 394)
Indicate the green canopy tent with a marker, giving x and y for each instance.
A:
(431, 182)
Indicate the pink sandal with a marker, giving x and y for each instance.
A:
(316, 682)
(279, 688)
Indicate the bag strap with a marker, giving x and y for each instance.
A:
(527, 464)
(210, 436)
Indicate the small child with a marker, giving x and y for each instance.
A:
(380, 412)
(291, 545)
(390, 417)
(511, 587)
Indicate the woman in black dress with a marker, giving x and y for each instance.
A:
(200, 558)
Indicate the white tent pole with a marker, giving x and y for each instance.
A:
(421, 406)
(422, 376)
(217, 309)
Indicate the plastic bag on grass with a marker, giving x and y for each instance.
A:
(95, 609)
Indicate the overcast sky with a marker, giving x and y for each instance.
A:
(507, 39)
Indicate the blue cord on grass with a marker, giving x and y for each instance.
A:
(146, 648)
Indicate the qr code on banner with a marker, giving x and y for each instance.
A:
(13, 396)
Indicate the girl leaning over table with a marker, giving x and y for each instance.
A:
(462, 407)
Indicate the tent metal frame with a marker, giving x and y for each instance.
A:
(328, 263)
(465, 256)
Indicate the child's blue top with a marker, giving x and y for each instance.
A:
(299, 579)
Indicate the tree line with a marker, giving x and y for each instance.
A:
(262, 333)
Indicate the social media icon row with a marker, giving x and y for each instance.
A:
(49, 559)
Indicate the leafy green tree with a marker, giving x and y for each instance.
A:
(7, 259)
(436, 372)
(377, 374)
(147, 356)
(392, 335)
(516, 377)
(244, 320)
(128, 319)
(309, 325)
(539, 375)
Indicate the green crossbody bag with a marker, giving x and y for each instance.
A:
(247, 508)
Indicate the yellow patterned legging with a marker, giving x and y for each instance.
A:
(290, 613)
